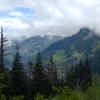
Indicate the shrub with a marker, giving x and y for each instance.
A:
(21, 97)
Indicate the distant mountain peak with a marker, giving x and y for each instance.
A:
(70, 50)
(85, 31)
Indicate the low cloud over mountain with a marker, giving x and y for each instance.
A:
(61, 17)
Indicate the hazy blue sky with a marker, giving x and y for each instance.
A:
(62, 17)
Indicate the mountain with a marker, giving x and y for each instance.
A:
(70, 50)
(29, 47)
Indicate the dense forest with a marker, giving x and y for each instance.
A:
(43, 81)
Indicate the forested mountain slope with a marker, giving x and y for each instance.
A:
(28, 48)
(70, 49)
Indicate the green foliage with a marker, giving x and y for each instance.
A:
(52, 72)
(18, 77)
(77, 54)
(97, 46)
(39, 97)
(2, 85)
(65, 94)
(21, 97)
(40, 79)
(79, 77)
(60, 56)
(96, 80)
(2, 97)
(93, 93)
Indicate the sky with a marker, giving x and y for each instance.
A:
(25, 18)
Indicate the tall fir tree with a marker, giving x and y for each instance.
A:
(3, 41)
(87, 75)
(3, 69)
(18, 79)
(30, 88)
(52, 72)
(30, 69)
(80, 77)
(40, 79)
(69, 77)
(83, 75)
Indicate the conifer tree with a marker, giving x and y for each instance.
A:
(3, 42)
(30, 88)
(18, 76)
(40, 79)
(3, 69)
(87, 79)
(30, 69)
(69, 77)
(80, 77)
(52, 72)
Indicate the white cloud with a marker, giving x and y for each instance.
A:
(13, 23)
(16, 13)
(51, 16)
(88, 3)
